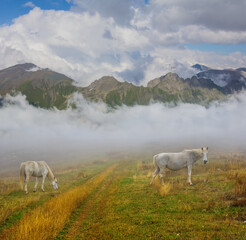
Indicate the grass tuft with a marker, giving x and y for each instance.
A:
(162, 190)
(240, 184)
(144, 166)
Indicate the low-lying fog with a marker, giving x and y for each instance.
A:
(30, 133)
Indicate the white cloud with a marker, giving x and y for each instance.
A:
(134, 42)
(29, 4)
(93, 39)
(38, 133)
(68, 42)
(214, 15)
(121, 11)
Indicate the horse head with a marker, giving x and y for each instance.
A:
(54, 183)
(205, 154)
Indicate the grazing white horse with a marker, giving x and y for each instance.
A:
(38, 170)
(177, 161)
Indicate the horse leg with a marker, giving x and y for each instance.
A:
(36, 184)
(161, 176)
(43, 183)
(26, 182)
(189, 174)
(154, 175)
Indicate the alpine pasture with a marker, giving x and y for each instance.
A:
(112, 199)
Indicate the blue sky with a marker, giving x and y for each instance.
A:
(10, 9)
(223, 49)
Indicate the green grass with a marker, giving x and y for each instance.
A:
(125, 206)
(15, 203)
(134, 210)
(47, 97)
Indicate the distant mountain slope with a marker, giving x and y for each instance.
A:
(230, 80)
(168, 88)
(42, 87)
(173, 88)
(200, 67)
(115, 93)
(46, 88)
(12, 77)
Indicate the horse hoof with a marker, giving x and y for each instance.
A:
(191, 184)
(26, 193)
(34, 190)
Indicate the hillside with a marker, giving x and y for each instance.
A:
(42, 87)
(172, 87)
(230, 80)
(115, 93)
(46, 89)
(168, 88)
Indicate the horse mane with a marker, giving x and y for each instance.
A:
(198, 150)
(51, 175)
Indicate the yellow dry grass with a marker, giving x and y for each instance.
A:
(237, 172)
(46, 222)
(240, 183)
(144, 166)
(162, 190)
(8, 208)
(233, 167)
(8, 186)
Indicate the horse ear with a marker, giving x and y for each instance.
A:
(207, 148)
(202, 148)
(54, 177)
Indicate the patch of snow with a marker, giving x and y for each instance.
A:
(243, 74)
(221, 79)
(33, 69)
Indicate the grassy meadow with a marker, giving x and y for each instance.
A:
(113, 199)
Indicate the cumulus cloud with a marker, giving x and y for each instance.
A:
(97, 38)
(217, 15)
(41, 134)
(54, 39)
(136, 73)
(121, 11)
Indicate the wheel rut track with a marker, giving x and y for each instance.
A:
(74, 231)
(55, 213)
(95, 205)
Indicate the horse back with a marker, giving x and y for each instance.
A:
(35, 169)
(162, 159)
(172, 161)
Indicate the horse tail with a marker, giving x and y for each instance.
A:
(154, 160)
(22, 175)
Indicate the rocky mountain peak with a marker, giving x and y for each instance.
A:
(200, 67)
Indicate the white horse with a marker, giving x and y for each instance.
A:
(36, 169)
(177, 161)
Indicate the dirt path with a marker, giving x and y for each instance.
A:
(89, 206)
(55, 213)
(92, 211)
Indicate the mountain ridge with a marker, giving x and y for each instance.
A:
(46, 88)
(42, 87)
